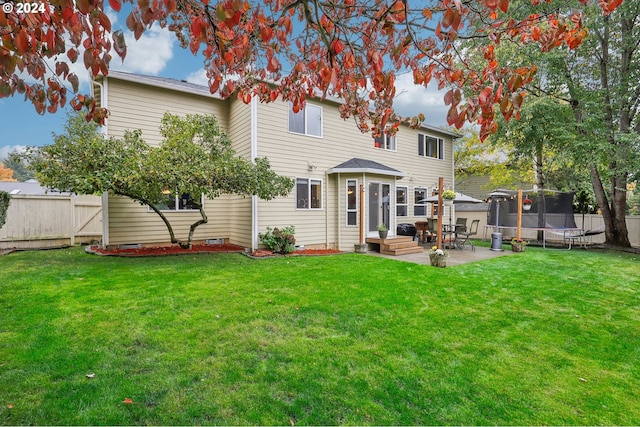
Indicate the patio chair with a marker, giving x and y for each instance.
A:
(464, 236)
(461, 225)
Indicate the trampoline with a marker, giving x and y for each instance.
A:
(549, 211)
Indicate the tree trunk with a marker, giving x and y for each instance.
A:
(159, 213)
(192, 229)
(615, 225)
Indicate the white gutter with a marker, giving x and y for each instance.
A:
(105, 131)
(339, 212)
(254, 154)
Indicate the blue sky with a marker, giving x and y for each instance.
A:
(158, 53)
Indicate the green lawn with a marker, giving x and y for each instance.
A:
(542, 337)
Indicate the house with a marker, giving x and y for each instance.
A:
(328, 157)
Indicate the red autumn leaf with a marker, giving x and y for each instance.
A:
(337, 46)
(127, 401)
(84, 6)
(22, 42)
(104, 21)
(72, 54)
(452, 115)
(115, 5)
(62, 69)
(491, 4)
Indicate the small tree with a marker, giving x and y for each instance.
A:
(20, 169)
(5, 199)
(195, 157)
(6, 174)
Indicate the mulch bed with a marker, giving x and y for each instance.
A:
(264, 253)
(165, 250)
(199, 249)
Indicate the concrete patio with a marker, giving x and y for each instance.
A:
(456, 256)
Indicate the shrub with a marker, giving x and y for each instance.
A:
(281, 241)
(5, 198)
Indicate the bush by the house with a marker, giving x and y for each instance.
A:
(279, 240)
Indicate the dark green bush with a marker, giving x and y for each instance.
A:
(281, 241)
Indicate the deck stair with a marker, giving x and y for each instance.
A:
(400, 245)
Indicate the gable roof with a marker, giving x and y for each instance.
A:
(356, 165)
(197, 89)
(164, 83)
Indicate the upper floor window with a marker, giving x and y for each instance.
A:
(386, 142)
(307, 121)
(308, 193)
(430, 146)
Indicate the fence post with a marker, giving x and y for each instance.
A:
(72, 233)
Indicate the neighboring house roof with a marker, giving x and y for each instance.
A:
(356, 165)
(30, 187)
(187, 87)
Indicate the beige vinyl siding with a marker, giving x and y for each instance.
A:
(292, 154)
(130, 222)
(137, 106)
(239, 208)
(239, 129)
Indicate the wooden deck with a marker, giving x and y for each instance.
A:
(399, 245)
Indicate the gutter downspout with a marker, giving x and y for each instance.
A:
(339, 213)
(104, 86)
(254, 155)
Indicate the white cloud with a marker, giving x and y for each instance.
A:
(412, 99)
(5, 150)
(198, 77)
(147, 55)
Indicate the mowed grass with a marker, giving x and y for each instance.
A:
(542, 337)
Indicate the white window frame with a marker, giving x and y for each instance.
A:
(420, 205)
(304, 112)
(176, 203)
(349, 210)
(405, 204)
(310, 183)
(424, 149)
(385, 142)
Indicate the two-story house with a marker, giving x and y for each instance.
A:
(328, 157)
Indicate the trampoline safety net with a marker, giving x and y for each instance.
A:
(553, 210)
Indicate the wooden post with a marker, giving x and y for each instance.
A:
(362, 214)
(440, 211)
(519, 222)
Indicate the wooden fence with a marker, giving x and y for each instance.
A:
(48, 221)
